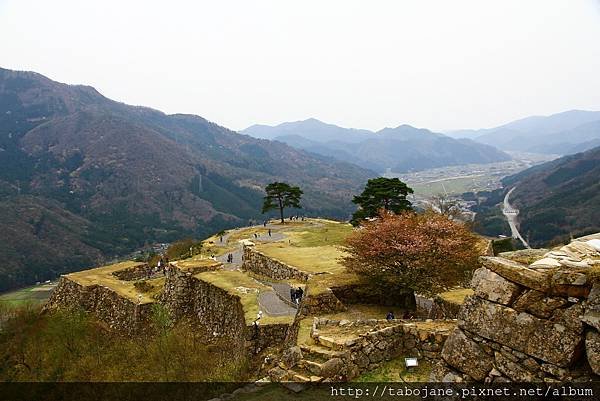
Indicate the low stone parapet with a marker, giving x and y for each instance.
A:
(383, 341)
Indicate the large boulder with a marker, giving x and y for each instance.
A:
(557, 341)
(493, 287)
(592, 309)
(332, 367)
(291, 357)
(538, 304)
(466, 355)
(525, 256)
(570, 284)
(517, 272)
(513, 370)
(592, 350)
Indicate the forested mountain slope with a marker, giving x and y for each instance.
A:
(83, 177)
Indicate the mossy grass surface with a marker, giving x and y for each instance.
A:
(395, 370)
(104, 276)
(456, 296)
(197, 261)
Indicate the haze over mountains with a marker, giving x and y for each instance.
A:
(401, 149)
(562, 133)
(83, 177)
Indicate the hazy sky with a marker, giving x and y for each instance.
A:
(365, 64)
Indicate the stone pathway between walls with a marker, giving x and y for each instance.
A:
(272, 305)
(276, 302)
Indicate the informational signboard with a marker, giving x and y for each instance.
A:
(411, 362)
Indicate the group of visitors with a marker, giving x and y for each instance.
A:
(407, 315)
(296, 295)
(161, 265)
(296, 218)
(230, 258)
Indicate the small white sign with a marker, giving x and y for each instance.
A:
(411, 362)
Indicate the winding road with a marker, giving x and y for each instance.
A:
(511, 214)
(275, 302)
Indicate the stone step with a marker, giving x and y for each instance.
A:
(318, 353)
(303, 377)
(299, 378)
(310, 366)
(298, 374)
(330, 343)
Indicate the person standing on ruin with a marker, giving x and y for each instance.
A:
(299, 294)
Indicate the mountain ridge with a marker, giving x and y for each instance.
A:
(132, 174)
(553, 134)
(399, 149)
(558, 199)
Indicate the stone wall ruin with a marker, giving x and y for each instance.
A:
(536, 322)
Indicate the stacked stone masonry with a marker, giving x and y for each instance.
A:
(333, 359)
(138, 272)
(259, 263)
(435, 308)
(524, 323)
(119, 313)
(185, 297)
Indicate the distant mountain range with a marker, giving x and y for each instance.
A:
(83, 178)
(563, 133)
(558, 199)
(401, 149)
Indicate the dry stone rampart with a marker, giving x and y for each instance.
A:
(259, 263)
(366, 293)
(187, 297)
(137, 272)
(435, 308)
(529, 322)
(317, 303)
(119, 313)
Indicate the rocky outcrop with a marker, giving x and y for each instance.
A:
(528, 322)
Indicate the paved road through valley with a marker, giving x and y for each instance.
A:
(511, 214)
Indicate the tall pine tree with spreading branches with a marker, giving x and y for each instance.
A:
(281, 195)
(388, 194)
